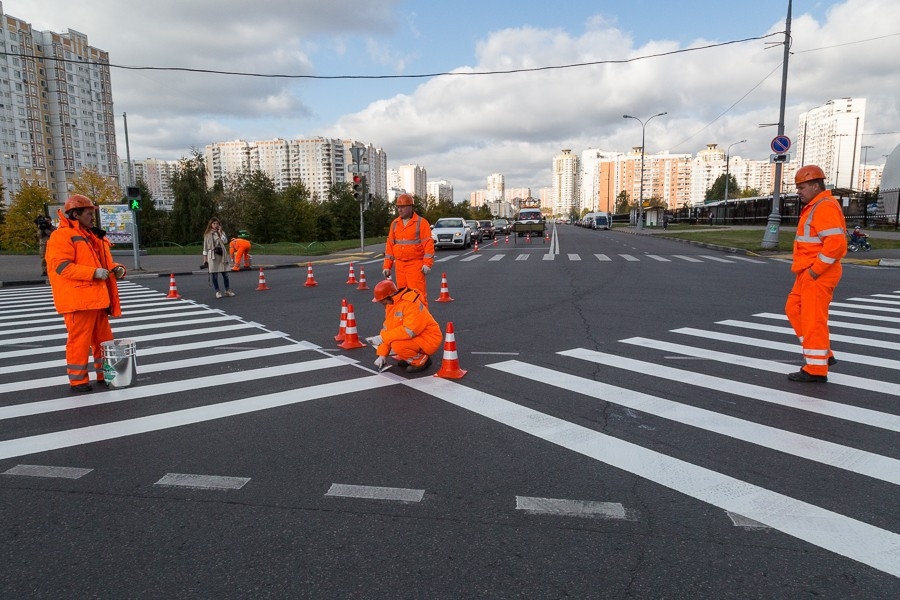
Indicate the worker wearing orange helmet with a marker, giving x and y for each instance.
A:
(83, 281)
(409, 248)
(409, 333)
(819, 246)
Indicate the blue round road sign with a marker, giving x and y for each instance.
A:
(781, 144)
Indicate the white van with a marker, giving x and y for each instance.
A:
(599, 220)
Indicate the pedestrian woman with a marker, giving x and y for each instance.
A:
(215, 256)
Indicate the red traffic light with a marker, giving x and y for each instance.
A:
(357, 178)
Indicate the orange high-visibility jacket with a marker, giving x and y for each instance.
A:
(73, 254)
(821, 240)
(408, 318)
(409, 242)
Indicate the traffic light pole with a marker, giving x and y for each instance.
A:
(135, 241)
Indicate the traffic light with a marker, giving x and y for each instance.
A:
(133, 196)
(359, 184)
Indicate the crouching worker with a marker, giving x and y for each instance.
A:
(410, 333)
(83, 280)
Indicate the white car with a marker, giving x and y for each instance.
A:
(451, 232)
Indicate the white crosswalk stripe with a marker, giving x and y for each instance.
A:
(550, 255)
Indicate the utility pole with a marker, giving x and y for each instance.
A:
(135, 238)
(770, 237)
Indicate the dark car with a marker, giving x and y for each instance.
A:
(487, 229)
(475, 230)
(501, 226)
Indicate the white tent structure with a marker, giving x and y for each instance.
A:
(890, 185)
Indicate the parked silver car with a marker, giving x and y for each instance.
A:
(451, 232)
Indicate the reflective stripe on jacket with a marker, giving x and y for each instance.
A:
(408, 318)
(821, 240)
(411, 241)
(73, 255)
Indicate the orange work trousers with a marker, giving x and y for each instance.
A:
(407, 349)
(807, 311)
(242, 252)
(87, 329)
(410, 275)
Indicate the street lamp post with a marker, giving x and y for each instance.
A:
(727, 173)
(640, 223)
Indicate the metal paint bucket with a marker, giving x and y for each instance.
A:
(119, 363)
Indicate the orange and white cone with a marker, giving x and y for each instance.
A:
(351, 278)
(362, 279)
(450, 364)
(262, 281)
(527, 238)
(445, 291)
(343, 326)
(173, 289)
(546, 236)
(507, 238)
(351, 337)
(495, 240)
(476, 246)
(310, 280)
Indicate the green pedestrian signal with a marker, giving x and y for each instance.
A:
(133, 194)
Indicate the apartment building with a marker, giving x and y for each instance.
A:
(157, 177)
(831, 136)
(565, 183)
(440, 190)
(56, 108)
(412, 179)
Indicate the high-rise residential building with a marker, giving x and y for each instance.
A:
(412, 179)
(565, 183)
(55, 106)
(831, 136)
(495, 187)
(156, 175)
(510, 194)
(318, 163)
(478, 198)
(440, 190)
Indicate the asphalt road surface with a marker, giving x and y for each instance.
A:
(625, 429)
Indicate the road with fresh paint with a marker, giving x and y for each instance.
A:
(625, 429)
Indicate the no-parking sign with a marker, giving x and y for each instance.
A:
(781, 144)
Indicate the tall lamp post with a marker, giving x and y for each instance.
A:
(728, 173)
(640, 223)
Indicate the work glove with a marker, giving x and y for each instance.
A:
(379, 362)
(386, 273)
(119, 272)
(426, 269)
(375, 340)
(101, 274)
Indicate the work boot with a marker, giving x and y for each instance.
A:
(80, 388)
(832, 361)
(418, 364)
(804, 377)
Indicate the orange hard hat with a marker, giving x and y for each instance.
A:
(808, 173)
(384, 289)
(405, 200)
(78, 201)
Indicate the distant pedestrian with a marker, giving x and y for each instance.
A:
(216, 257)
(45, 228)
(709, 218)
(819, 246)
(409, 248)
(83, 281)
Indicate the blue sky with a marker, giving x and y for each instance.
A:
(463, 128)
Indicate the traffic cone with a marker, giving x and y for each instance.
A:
(362, 279)
(310, 280)
(351, 339)
(476, 246)
(173, 289)
(450, 364)
(262, 281)
(351, 278)
(340, 337)
(507, 238)
(527, 238)
(546, 236)
(495, 240)
(445, 291)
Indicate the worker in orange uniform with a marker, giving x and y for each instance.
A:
(819, 246)
(409, 333)
(240, 250)
(83, 280)
(409, 248)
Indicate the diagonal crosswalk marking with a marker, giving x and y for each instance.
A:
(841, 324)
(845, 536)
(687, 258)
(863, 383)
(846, 339)
(821, 451)
(716, 258)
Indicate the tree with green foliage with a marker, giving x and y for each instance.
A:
(716, 191)
(623, 205)
(99, 188)
(19, 230)
(193, 206)
(300, 214)
(153, 224)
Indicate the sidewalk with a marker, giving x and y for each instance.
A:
(26, 269)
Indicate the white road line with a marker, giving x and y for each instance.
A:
(865, 307)
(207, 482)
(497, 256)
(369, 492)
(659, 258)
(827, 453)
(522, 257)
(809, 404)
(687, 258)
(629, 258)
(716, 258)
(548, 256)
(603, 258)
(574, 257)
(749, 260)
(737, 360)
(179, 418)
(841, 324)
(45, 471)
(834, 337)
(470, 257)
(874, 300)
(571, 508)
(837, 533)
(874, 361)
